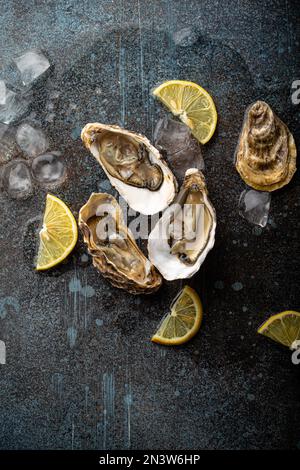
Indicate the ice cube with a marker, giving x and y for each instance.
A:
(32, 64)
(49, 169)
(32, 141)
(16, 179)
(185, 159)
(12, 106)
(185, 37)
(174, 139)
(254, 206)
(3, 130)
(50, 117)
(8, 145)
(171, 135)
(2, 92)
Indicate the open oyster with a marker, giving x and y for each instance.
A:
(184, 235)
(266, 152)
(113, 248)
(134, 167)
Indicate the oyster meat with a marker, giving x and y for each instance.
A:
(184, 235)
(266, 152)
(134, 167)
(113, 248)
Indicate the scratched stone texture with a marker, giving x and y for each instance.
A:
(81, 372)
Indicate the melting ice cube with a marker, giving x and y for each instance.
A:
(8, 145)
(32, 64)
(17, 179)
(182, 150)
(2, 92)
(49, 169)
(185, 37)
(3, 130)
(254, 206)
(32, 141)
(171, 135)
(12, 105)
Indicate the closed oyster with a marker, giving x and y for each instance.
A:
(266, 152)
(113, 248)
(184, 235)
(134, 167)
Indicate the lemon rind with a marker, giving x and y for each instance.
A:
(159, 88)
(176, 341)
(68, 250)
(277, 316)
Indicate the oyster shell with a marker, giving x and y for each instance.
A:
(134, 167)
(266, 152)
(113, 248)
(184, 235)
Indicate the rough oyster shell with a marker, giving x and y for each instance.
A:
(134, 167)
(266, 152)
(113, 248)
(183, 236)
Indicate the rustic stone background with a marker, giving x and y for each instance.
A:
(81, 372)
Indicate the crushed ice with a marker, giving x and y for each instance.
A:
(8, 145)
(32, 141)
(32, 64)
(44, 168)
(254, 206)
(16, 179)
(174, 139)
(2, 92)
(185, 37)
(48, 169)
(12, 106)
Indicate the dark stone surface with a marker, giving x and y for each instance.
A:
(81, 372)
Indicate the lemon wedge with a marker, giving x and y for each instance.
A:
(183, 321)
(192, 104)
(58, 235)
(284, 328)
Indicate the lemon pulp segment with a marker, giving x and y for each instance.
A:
(284, 328)
(192, 104)
(183, 321)
(58, 235)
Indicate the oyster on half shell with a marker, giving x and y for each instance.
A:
(134, 167)
(266, 152)
(185, 233)
(113, 248)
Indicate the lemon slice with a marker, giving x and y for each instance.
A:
(192, 104)
(284, 328)
(58, 235)
(183, 321)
